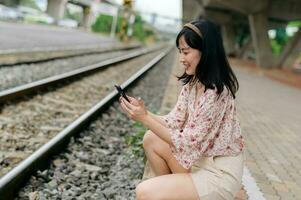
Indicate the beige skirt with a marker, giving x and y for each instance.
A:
(218, 177)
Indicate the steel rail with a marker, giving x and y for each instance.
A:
(13, 93)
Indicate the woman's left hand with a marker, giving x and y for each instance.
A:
(135, 109)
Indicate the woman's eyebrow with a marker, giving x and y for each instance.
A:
(184, 48)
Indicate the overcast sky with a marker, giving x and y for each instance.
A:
(172, 8)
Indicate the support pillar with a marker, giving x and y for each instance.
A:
(259, 32)
(291, 51)
(246, 49)
(87, 18)
(192, 10)
(228, 38)
(56, 9)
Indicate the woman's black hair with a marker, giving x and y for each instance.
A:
(213, 70)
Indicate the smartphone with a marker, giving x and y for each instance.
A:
(121, 92)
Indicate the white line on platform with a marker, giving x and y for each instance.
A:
(250, 186)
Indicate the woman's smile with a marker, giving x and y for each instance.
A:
(189, 57)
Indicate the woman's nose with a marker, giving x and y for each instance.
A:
(182, 58)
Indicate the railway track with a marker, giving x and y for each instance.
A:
(45, 114)
(25, 74)
(30, 127)
(36, 55)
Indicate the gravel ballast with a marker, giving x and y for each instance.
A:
(98, 164)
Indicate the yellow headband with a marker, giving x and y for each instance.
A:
(194, 28)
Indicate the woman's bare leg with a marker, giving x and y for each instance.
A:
(159, 155)
(171, 187)
(157, 163)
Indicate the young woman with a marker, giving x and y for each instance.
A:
(196, 151)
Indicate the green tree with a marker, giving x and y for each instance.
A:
(30, 3)
(103, 24)
(141, 32)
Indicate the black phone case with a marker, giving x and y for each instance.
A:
(121, 92)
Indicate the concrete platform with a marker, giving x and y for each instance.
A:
(270, 113)
(19, 36)
(31, 43)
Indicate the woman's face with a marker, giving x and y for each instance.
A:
(189, 57)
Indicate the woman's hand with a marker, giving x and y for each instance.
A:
(135, 109)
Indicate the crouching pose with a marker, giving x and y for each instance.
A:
(196, 151)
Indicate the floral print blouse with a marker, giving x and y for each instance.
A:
(210, 129)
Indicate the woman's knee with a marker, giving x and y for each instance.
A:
(143, 191)
(148, 139)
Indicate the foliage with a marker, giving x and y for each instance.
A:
(75, 16)
(141, 32)
(242, 34)
(103, 23)
(295, 23)
(135, 141)
(30, 3)
(282, 38)
(276, 47)
(279, 41)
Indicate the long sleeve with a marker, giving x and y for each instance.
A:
(212, 130)
(176, 118)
